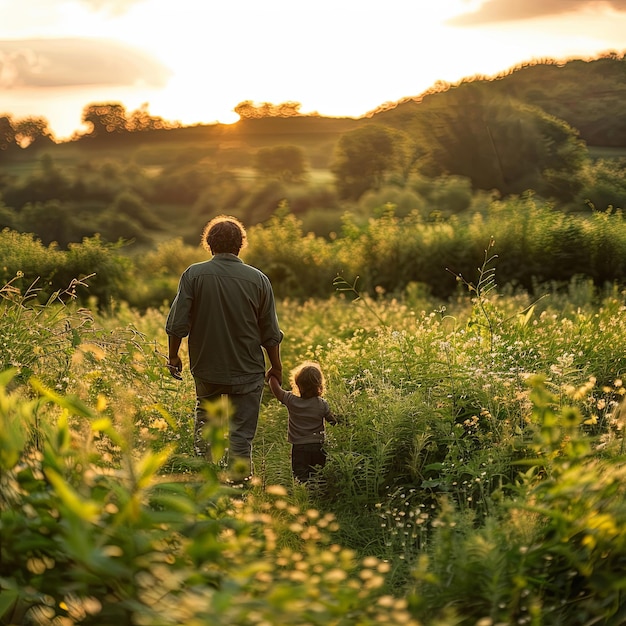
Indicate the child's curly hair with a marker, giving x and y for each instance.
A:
(224, 234)
(308, 380)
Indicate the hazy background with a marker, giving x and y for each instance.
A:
(193, 62)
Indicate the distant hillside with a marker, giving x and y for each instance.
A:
(461, 142)
(234, 143)
(588, 95)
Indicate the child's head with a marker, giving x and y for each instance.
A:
(308, 379)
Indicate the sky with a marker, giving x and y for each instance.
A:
(193, 61)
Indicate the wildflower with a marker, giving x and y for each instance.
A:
(571, 416)
(335, 576)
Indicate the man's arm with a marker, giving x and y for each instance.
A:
(174, 362)
(276, 366)
(277, 390)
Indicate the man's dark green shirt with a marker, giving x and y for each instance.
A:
(226, 309)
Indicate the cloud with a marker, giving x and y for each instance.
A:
(505, 11)
(76, 62)
(114, 7)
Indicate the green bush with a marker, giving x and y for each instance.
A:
(298, 265)
(555, 552)
(22, 253)
(405, 201)
(45, 271)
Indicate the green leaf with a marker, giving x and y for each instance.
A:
(525, 318)
(7, 375)
(180, 504)
(165, 415)
(72, 404)
(8, 598)
(429, 484)
(84, 509)
(149, 465)
(434, 466)
(105, 426)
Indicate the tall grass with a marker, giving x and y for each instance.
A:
(474, 475)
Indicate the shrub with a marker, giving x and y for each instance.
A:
(405, 201)
(21, 252)
(111, 272)
(298, 265)
(555, 555)
(46, 271)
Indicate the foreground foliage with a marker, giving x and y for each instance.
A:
(475, 477)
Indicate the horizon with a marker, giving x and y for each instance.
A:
(59, 56)
(386, 103)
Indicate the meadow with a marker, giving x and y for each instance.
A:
(469, 315)
(475, 476)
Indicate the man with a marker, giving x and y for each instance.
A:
(226, 309)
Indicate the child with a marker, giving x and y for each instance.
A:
(307, 413)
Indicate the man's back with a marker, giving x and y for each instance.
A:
(227, 309)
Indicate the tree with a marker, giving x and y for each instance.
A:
(249, 110)
(114, 227)
(49, 182)
(246, 110)
(498, 143)
(106, 119)
(131, 205)
(32, 131)
(7, 133)
(140, 120)
(8, 216)
(286, 163)
(49, 221)
(365, 156)
(288, 109)
(605, 185)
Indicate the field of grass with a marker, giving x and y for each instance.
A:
(475, 476)
(597, 152)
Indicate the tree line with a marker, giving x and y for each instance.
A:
(537, 250)
(444, 155)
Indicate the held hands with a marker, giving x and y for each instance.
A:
(274, 372)
(275, 388)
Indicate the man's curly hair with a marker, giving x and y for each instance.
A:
(224, 234)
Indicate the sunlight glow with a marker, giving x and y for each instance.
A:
(336, 59)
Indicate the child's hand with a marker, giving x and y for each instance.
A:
(338, 419)
(274, 373)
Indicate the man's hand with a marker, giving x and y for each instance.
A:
(276, 367)
(275, 388)
(276, 372)
(175, 366)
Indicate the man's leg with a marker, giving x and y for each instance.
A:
(201, 446)
(243, 424)
(206, 394)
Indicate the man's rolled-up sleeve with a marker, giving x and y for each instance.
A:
(271, 335)
(178, 321)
